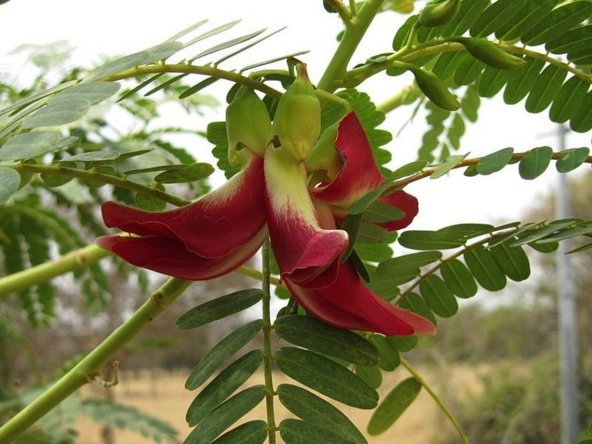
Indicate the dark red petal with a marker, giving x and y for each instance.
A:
(170, 257)
(404, 202)
(348, 303)
(359, 173)
(214, 225)
(303, 250)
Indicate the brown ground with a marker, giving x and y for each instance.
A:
(163, 395)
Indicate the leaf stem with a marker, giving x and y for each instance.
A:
(92, 176)
(352, 36)
(436, 398)
(396, 100)
(267, 354)
(399, 184)
(89, 368)
(186, 68)
(342, 10)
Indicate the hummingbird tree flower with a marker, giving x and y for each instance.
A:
(208, 238)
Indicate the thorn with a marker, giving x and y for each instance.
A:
(114, 377)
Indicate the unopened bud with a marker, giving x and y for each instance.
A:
(297, 122)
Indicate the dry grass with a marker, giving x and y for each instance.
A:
(163, 395)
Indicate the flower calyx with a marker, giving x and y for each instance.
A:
(247, 126)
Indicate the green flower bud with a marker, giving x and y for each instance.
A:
(247, 125)
(434, 89)
(439, 12)
(490, 54)
(297, 121)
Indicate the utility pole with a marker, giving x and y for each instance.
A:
(566, 308)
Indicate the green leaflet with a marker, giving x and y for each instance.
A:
(219, 308)
(408, 169)
(496, 16)
(535, 162)
(389, 355)
(545, 89)
(512, 260)
(185, 173)
(295, 431)
(150, 55)
(393, 406)
(58, 113)
(221, 352)
(326, 376)
(581, 121)
(371, 375)
(29, 145)
(494, 162)
(252, 432)
(9, 183)
(568, 99)
(314, 410)
(459, 279)
(556, 23)
(438, 296)
(317, 336)
(415, 303)
(379, 212)
(521, 81)
(484, 268)
(231, 378)
(492, 81)
(447, 165)
(428, 240)
(216, 134)
(225, 415)
(571, 159)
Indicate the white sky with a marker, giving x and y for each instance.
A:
(114, 27)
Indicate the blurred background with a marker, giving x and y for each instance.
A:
(495, 363)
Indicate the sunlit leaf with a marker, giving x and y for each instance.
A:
(58, 113)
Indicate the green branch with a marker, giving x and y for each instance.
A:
(48, 270)
(436, 398)
(184, 68)
(89, 368)
(401, 183)
(95, 177)
(267, 353)
(354, 32)
(356, 76)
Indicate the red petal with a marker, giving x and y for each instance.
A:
(213, 226)
(303, 250)
(348, 303)
(170, 257)
(359, 173)
(404, 202)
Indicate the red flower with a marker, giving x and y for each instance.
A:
(208, 238)
(220, 231)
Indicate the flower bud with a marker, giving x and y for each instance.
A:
(247, 125)
(490, 54)
(434, 89)
(297, 121)
(439, 12)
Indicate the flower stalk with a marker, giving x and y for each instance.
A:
(267, 353)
